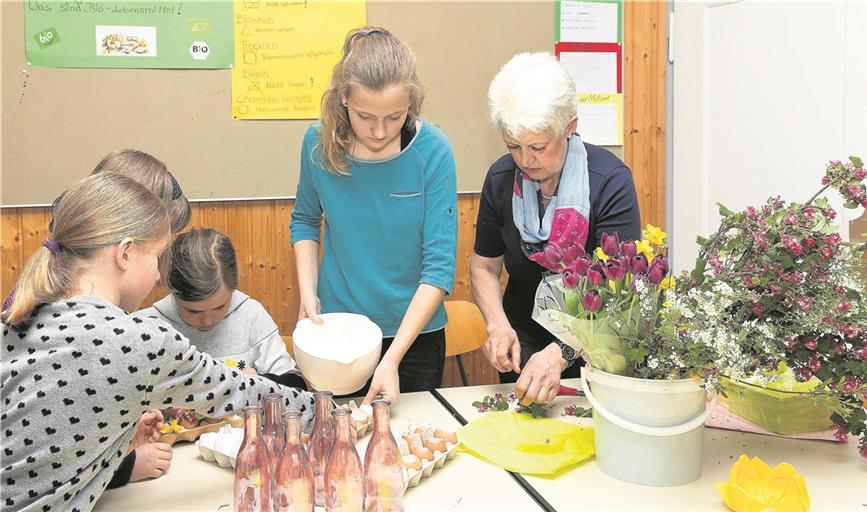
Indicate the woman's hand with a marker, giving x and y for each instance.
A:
(152, 460)
(540, 380)
(385, 382)
(503, 349)
(148, 429)
(310, 308)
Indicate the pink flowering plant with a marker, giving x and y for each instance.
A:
(774, 284)
(777, 284)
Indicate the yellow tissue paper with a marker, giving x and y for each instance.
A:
(755, 486)
(520, 443)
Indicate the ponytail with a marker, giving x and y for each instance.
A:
(98, 212)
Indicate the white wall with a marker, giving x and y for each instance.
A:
(765, 93)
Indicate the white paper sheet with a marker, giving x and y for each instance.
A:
(588, 22)
(592, 71)
(598, 124)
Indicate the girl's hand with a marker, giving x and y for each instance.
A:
(385, 382)
(152, 460)
(310, 308)
(148, 429)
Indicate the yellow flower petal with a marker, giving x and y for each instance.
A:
(612, 285)
(645, 248)
(655, 235)
(601, 254)
(667, 283)
(231, 363)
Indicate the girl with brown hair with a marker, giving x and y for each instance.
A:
(383, 179)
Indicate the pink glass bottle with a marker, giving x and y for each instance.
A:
(321, 441)
(344, 478)
(293, 480)
(383, 471)
(273, 433)
(253, 468)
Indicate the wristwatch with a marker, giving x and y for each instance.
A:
(567, 352)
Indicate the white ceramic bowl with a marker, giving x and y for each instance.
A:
(339, 355)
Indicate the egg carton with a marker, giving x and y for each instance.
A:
(221, 446)
(438, 451)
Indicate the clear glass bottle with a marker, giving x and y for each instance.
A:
(344, 478)
(383, 470)
(293, 480)
(273, 433)
(321, 441)
(253, 468)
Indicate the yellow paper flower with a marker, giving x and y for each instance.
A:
(173, 427)
(601, 254)
(755, 486)
(645, 248)
(231, 363)
(667, 283)
(655, 235)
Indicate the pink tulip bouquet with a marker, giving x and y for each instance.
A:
(605, 303)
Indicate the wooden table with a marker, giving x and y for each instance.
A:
(464, 483)
(836, 475)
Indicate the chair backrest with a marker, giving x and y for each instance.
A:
(287, 340)
(465, 331)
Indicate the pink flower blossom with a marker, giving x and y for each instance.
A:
(830, 213)
(826, 252)
(815, 364)
(592, 301)
(610, 244)
(793, 245)
(570, 280)
(840, 434)
(804, 303)
(752, 213)
(849, 386)
(833, 239)
(791, 218)
(596, 274)
(580, 266)
(755, 308)
(810, 342)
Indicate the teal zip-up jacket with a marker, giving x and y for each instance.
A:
(389, 226)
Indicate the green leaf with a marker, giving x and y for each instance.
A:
(856, 161)
(725, 212)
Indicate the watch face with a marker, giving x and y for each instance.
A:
(568, 352)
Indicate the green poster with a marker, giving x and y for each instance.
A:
(588, 21)
(158, 34)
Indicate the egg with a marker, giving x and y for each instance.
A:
(422, 453)
(436, 444)
(411, 462)
(450, 437)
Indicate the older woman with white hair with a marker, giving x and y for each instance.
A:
(533, 103)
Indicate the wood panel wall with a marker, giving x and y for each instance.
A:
(260, 232)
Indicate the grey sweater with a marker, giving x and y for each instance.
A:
(76, 382)
(247, 335)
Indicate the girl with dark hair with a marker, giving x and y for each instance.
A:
(206, 306)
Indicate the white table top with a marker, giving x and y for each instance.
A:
(464, 483)
(836, 475)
